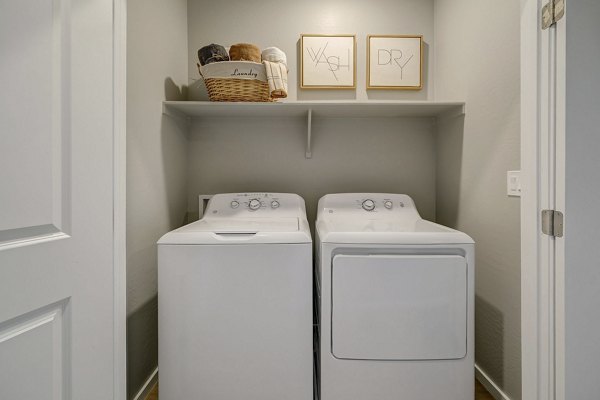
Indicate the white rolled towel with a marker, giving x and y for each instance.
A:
(274, 55)
(277, 79)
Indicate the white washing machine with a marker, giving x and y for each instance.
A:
(395, 296)
(235, 302)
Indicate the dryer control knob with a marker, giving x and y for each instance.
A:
(254, 204)
(368, 205)
(388, 204)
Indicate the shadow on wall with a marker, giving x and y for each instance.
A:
(489, 339)
(174, 92)
(450, 137)
(142, 344)
(174, 140)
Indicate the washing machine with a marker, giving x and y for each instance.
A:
(235, 302)
(395, 302)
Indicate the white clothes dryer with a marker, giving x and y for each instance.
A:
(235, 302)
(395, 295)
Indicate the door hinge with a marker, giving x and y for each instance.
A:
(552, 13)
(552, 223)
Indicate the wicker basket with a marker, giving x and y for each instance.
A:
(236, 81)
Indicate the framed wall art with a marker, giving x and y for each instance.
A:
(328, 61)
(395, 62)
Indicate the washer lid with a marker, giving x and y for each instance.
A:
(240, 230)
(246, 225)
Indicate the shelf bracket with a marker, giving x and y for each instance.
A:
(178, 116)
(309, 135)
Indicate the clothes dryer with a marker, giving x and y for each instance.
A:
(395, 296)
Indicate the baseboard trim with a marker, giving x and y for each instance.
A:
(489, 384)
(147, 386)
(481, 376)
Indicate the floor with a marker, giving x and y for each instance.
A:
(480, 393)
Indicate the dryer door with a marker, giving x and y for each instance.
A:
(399, 307)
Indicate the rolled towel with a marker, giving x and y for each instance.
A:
(212, 53)
(277, 79)
(275, 55)
(244, 52)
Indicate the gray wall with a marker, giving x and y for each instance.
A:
(156, 165)
(582, 253)
(349, 155)
(280, 23)
(457, 176)
(477, 59)
(394, 155)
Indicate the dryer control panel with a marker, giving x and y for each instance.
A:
(256, 205)
(368, 205)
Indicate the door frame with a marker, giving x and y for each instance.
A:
(119, 199)
(542, 178)
(538, 374)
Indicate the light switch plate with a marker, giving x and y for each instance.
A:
(513, 183)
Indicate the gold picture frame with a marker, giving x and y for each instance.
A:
(392, 73)
(322, 70)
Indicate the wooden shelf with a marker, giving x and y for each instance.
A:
(187, 110)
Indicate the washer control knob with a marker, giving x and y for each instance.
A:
(274, 204)
(368, 205)
(234, 204)
(388, 204)
(254, 204)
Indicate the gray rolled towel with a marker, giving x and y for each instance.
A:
(212, 53)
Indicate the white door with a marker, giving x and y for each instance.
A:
(57, 308)
(542, 94)
(560, 274)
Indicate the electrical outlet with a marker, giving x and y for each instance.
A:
(513, 183)
(202, 203)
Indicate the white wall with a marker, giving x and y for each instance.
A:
(477, 59)
(582, 253)
(156, 164)
(280, 23)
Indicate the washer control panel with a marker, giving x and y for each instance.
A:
(256, 205)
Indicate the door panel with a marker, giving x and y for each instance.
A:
(393, 307)
(57, 308)
(35, 85)
(34, 346)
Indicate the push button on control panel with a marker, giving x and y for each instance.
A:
(234, 204)
(274, 204)
(388, 204)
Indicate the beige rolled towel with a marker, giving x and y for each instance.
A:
(277, 79)
(244, 52)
